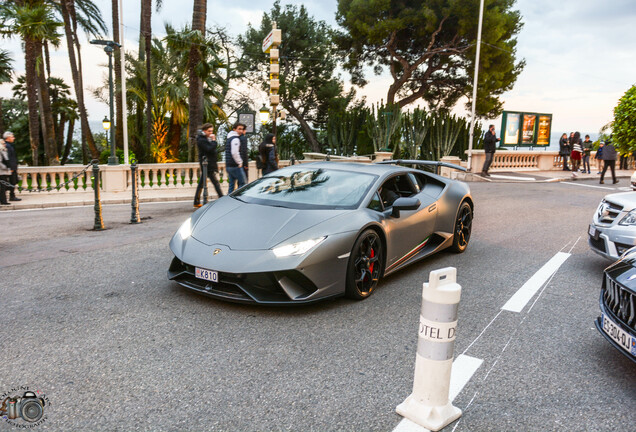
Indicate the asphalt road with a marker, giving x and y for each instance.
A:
(90, 320)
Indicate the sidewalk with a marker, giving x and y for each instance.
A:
(500, 176)
(36, 200)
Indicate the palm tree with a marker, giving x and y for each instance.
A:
(119, 122)
(33, 21)
(169, 97)
(145, 47)
(6, 73)
(89, 18)
(199, 13)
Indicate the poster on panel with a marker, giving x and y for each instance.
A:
(511, 136)
(543, 136)
(527, 133)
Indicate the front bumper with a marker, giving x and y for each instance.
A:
(616, 300)
(611, 241)
(274, 288)
(259, 277)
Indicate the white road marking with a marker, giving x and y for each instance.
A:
(589, 186)
(498, 176)
(464, 367)
(519, 300)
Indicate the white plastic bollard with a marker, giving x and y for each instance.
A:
(429, 405)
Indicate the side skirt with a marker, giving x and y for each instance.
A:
(431, 245)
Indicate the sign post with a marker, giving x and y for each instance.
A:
(270, 45)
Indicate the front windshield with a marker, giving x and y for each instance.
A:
(305, 187)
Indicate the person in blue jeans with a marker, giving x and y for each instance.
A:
(234, 162)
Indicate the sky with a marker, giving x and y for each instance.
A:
(580, 54)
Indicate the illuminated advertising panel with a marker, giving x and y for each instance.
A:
(525, 129)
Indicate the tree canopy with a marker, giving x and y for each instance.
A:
(429, 49)
(624, 126)
(308, 85)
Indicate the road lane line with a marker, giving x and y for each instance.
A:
(590, 186)
(464, 367)
(464, 410)
(482, 332)
(521, 298)
(498, 176)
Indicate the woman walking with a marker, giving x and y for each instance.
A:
(599, 156)
(268, 155)
(577, 152)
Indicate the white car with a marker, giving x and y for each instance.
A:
(613, 228)
(633, 181)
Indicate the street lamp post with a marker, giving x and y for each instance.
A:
(475, 80)
(109, 47)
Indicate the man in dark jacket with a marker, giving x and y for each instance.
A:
(233, 158)
(609, 160)
(490, 145)
(9, 138)
(206, 143)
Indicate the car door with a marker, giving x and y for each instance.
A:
(408, 233)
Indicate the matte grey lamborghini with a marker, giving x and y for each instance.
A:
(312, 231)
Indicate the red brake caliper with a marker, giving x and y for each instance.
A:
(371, 267)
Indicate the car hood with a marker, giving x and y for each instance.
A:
(246, 226)
(625, 199)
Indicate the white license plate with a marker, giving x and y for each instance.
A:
(208, 275)
(592, 231)
(618, 334)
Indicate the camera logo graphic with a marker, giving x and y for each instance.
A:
(28, 407)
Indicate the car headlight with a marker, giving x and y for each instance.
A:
(629, 219)
(186, 229)
(298, 248)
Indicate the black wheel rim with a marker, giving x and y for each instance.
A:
(367, 263)
(463, 226)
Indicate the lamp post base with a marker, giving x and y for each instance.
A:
(112, 160)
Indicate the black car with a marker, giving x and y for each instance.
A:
(618, 305)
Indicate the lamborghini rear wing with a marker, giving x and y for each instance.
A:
(424, 163)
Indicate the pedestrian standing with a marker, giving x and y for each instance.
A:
(609, 160)
(268, 155)
(5, 172)
(564, 151)
(587, 151)
(9, 139)
(207, 145)
(577, 152)
(233, 159)
(490, 146)
(244, 154)
(599, 156)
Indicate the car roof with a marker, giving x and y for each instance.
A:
(369, 168)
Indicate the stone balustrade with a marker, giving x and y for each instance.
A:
(520, 160)
(186, 175)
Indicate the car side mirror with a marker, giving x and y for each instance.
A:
(404, 204)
